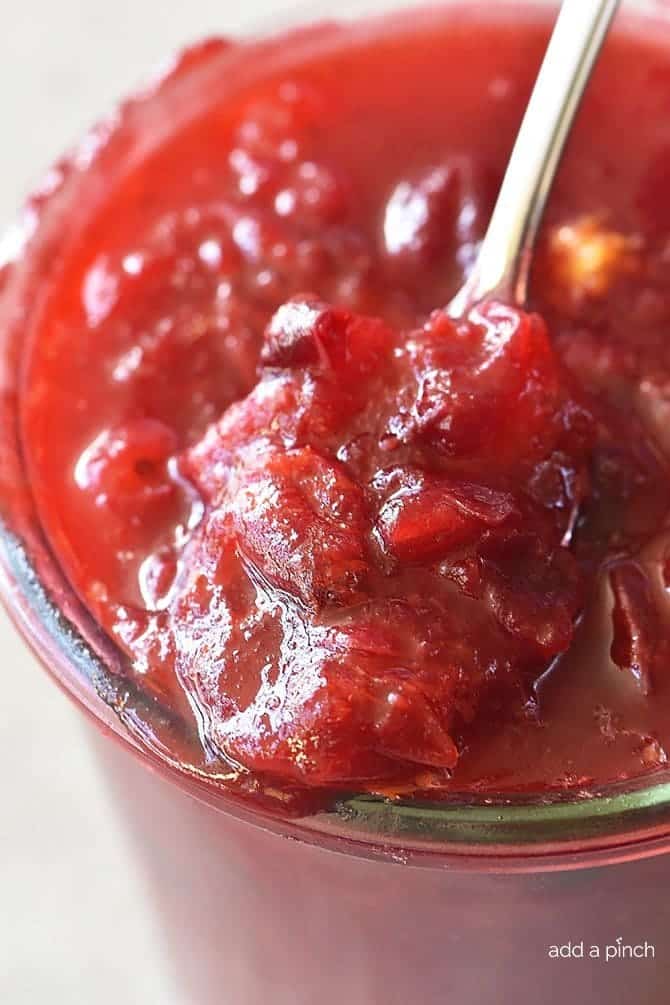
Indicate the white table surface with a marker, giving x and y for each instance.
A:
(74, 926)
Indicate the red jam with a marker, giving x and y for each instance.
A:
(354, 543)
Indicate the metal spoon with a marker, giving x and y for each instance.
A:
(503, 264)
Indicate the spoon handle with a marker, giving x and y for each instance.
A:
(503, 263)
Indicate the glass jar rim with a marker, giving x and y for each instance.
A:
(546, 831)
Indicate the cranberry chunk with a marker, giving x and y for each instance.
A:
(307, 332)
(442, 209)
(125, 467)
(426, 520)
(487, 387)
(301, 522)
(532, 590)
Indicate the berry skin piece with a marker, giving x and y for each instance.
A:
(638, 640)
(435, 515)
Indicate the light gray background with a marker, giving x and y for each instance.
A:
(74, 925)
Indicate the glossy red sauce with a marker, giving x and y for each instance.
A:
(354, 544)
